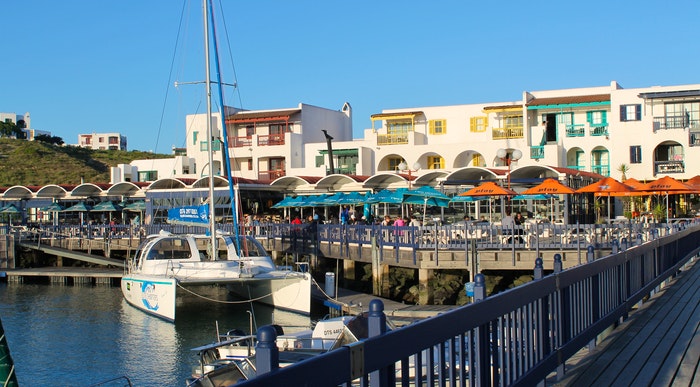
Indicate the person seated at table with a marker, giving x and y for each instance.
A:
(507, 223)
(519, 221)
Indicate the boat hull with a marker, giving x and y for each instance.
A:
(287, 291)
(152, 294)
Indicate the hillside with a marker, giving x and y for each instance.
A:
(36, 163)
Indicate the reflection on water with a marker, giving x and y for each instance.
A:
(64, 335)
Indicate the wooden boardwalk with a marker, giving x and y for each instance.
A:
(658, 345)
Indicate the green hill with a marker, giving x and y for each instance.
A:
(37, 163)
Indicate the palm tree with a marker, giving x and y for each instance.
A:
(623, 169)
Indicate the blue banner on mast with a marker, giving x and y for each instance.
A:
(190, 215)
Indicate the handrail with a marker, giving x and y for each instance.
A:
(517, 337)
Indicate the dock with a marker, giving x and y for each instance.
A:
(658, 345)
(65, 275)
(353, 303)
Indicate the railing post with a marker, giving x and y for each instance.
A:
(590, 254)
(376, 326)
(615, 246)
(479, 287)
(539, 270)
(266, 351)
(558, 266)
(623, 244)
(639, 238)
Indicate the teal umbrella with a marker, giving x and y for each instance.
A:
(352, 198)
(426, 192)
(467, 199)
(107, 206)
(138, 205)
(78, 207)
(53, 207)
(532, 197)
(387, 196)
(11, 209)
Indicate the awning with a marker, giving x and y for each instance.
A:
(670, 94)
(395, 116)
(569, 102)
(341, 152)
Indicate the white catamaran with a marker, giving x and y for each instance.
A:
(165, 262)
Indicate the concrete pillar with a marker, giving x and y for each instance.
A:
(385, 282)
(349, 269)
(425, 293)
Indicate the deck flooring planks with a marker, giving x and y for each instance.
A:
(658, 345)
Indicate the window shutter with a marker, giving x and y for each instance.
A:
(623, 113)
(603, 117)
(638, 112)
(319, 161)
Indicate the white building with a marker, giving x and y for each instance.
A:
(110, 141)
(25, 122)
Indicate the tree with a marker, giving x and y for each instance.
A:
(10, 129)
(49, 139)
(623, 169)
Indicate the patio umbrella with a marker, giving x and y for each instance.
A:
(387, 196)
(489, 189)
(78, 207)
(352, 198)
(137, 206)
(606, 187)
(10, 210)
(549, 186)
(53, 207)
(427, 196)
(107, 206)
(668, 186)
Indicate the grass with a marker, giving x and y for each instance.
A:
(33, 163)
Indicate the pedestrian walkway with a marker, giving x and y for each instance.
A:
(659, 345)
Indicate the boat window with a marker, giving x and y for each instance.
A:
(170, 248)
(251, 248)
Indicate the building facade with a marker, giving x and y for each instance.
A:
(105, 141)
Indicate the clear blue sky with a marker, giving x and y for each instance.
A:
(105, 66)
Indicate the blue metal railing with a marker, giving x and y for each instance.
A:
(517, 337)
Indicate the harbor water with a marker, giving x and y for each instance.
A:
(84, 335)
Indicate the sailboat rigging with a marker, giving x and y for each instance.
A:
(165, 262)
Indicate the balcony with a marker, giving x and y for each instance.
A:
(672, 122)
(601, 169)
(577, 167)
(598, 130)
(537, 152)
(506, 133)
(271, 175)
(270, 139)
(392, 139)
(239, 142)
(575, 130)
(669, 166)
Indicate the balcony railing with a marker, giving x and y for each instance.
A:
(270, 139)
(694, 138)
(602, 169)
(599, 130)
(392, 139)
(575, 130)
(239, 142)
(669, 166)
(674, 122)
(577, 167)
(505, 133)
(537, 152)
(271, 175)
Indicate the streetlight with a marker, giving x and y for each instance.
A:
(403, 167)
(508, 158)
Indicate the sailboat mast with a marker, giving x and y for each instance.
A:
(210, 142)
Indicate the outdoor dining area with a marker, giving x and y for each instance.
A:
(549, 214)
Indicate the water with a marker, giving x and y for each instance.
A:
(81, 336)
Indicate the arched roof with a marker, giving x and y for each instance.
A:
(539, 172)
(472, 175)
(18, 192)
(219, 181)
(125, 188)
(290, 183)
(383, 180)
(430, 178)
(90, 189)
(168, 183)
(54, 191)
(339, 182)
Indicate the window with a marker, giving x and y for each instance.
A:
(249, 131)
(478, 160)
(399, 127)
(438, 127)
(148, 175)
(276, 128)
(436, 162)
(478, 124)
(635, 154)
(597, 117)
(682, 114)
(194, 137)
(394, 163)
(250, 164)
(631, 112)
(513, 122)
(319, 161)
(216, 146)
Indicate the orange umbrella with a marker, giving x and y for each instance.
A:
(489, 189)
(606, 187)
(549, 186)
(694, 182)
(668, 186)
(632, 182)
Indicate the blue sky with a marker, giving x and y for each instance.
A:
(109, 65)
